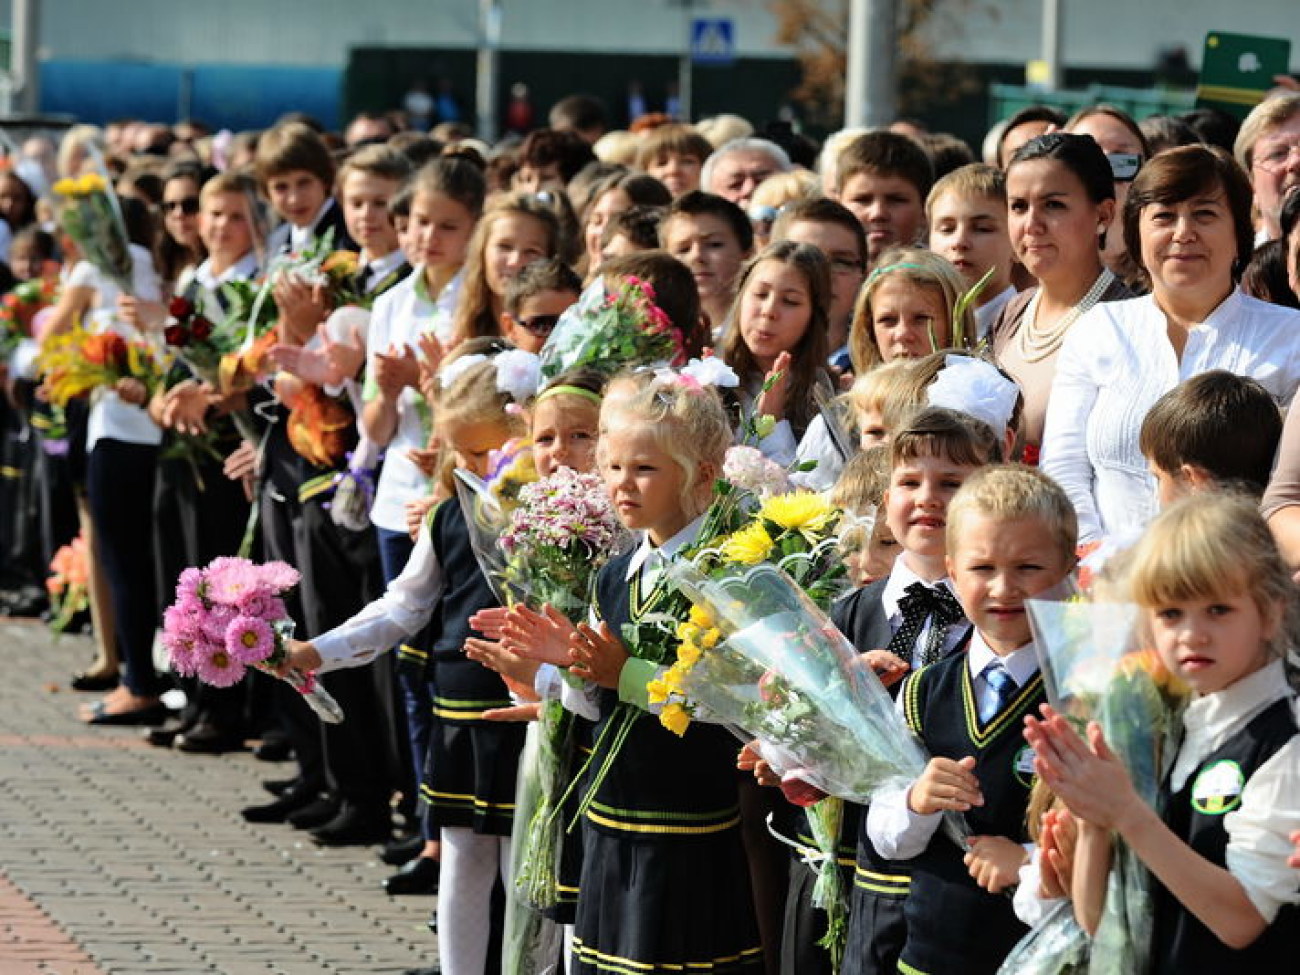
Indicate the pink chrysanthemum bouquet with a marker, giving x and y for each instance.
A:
(230, 616)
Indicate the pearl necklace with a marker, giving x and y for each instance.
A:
(1037, 344)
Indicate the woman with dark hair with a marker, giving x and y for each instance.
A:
(1060, 205)
(1126, 150)
(1188, 218)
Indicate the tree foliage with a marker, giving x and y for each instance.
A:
(817, 29)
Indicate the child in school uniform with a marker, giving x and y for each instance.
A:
(902, 622)
(1011, 535)
(200, 513)
(665, 885)
(469, 778)
(1214, 597)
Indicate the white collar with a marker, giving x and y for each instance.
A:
(1021, 663)
(241, 270)
(380, 267)
(663, 553)
(1216, 717)
(900, 577)
(300, 237)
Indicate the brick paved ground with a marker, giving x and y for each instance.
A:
(116, 857)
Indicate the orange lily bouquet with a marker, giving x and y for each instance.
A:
(77, 362)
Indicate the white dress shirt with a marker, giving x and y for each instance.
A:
(901, 834)
(404, 608)
(110, 416)
(1115, 363)
(400, 316)
(900, 577)
(1259, 828)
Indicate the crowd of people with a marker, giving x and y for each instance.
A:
(1085, 341)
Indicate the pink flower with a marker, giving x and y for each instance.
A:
(278, 575)
(230, 580)
(189, 585)
(217, 667)
(261, 603)
(249, 640)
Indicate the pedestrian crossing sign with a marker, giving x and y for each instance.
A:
(713, 40)
(1238, 69)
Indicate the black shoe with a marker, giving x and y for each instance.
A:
(94, 682)
(208, 739)
(354, 826)
(431, 970)
(317, 813)
(420, 876)
(278, 811)
(273, 749)
(165, 734)
(278, 787)
(402, 851)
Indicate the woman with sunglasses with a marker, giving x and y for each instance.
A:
(178, 248)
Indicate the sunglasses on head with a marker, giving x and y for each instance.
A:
(539, 325)
(188, 206)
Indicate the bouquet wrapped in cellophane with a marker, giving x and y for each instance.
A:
(89, 213)
(613, 327)
(1094, 669)
(77, 362)
(759, 655)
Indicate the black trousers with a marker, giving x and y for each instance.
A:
(199, 514)
(119, 487)
(340, 576)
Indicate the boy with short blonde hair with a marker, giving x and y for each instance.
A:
(1011, 535)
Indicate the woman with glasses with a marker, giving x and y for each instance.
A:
(1188, 219)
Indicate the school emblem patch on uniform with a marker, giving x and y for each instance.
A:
(1023, 766)
(1217, 790)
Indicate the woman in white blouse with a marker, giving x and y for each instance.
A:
(1187, 220)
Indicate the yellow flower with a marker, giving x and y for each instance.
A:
(701, 617)
(675, 718)
(659, 691)
(687, 632)
(91, 183)
(688, 653)
(709, 639)
(65, 187)
(800, 511)
(749, 546)
(673, 676)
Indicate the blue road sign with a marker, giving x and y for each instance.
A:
(713, 40)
